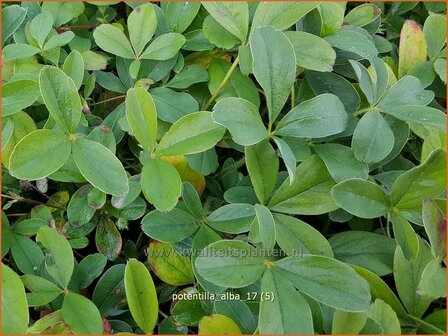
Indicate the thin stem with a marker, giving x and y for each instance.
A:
(110, 99)
(163, 314)
(221, 85)
(293, 96)
(388, 224)
(27, 200)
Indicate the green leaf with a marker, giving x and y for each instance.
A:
(424, 72)
(363, 15)
(39, 154)
(59, 40)
(379, 289)
(7, 132)
(170, 227)
(218, 324)
(295, 236)
(59, 262)
(161, 184)
(242, 119)
(112, 281)
(141, 295)
(40, 27)
(288, 157)
(421, 182)
(179, 15)
(424, 115)
(164, 47)
(42, 290)
(275, 315)
(74, 67)
(142, 23)
(341, 162)
(61, 98)
(172, 105)
(112, 39)
(339, 286)
(434, 223)
(81, 315)
(89, 269)
(171, 267)
(407, 91)
(440, 68)
(274, 66)
(262, 164)
(366, 249)
(79, 211)
(192, 200)
(217, 34)
(281, 15)
(372, 139)
(194, 133)
(309, 194)
(433, 280)
(63, 12)
(312, 119)
(407, 274)
(18, 95)
(237, 85)
(435, 33)
(354, 41)
(348, 323)
(232, 218)
(19, 51)
(233, 16)
(238, 311)
(230, 263)
(332, 15)
(405, 235)
(12, 18)
(15, 316)
(265, 227)
(93, 160)
(141, 115)
(191, 74)
(312, 52)
(361, 198)
(107, 238)
(382, 313)
(27, 254)
(204, 163)
(332, 83)
(412, 49)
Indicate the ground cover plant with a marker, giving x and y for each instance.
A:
(223, 167)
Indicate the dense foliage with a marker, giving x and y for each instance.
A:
(224, 167)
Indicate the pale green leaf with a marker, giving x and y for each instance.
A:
(141, 295)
